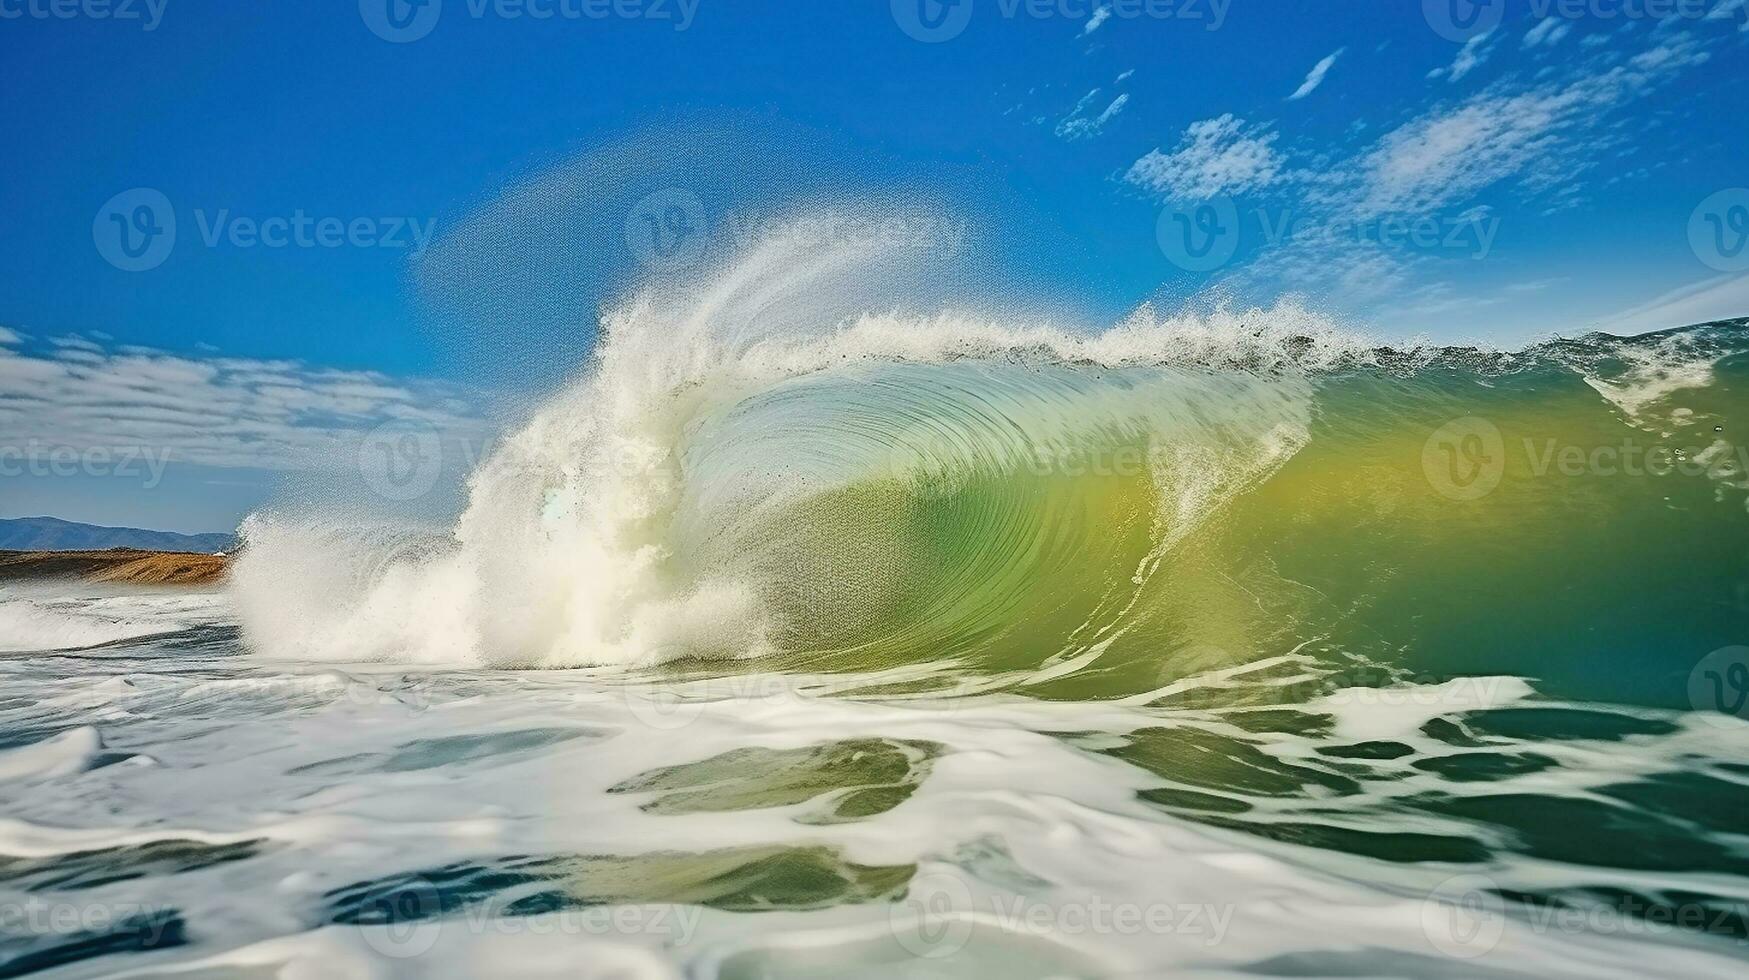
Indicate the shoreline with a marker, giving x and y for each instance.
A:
(117, 565)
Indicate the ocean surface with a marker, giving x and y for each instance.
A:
(1229, 645)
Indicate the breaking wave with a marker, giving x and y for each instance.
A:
(746, 472)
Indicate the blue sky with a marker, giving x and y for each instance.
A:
(1493, 172)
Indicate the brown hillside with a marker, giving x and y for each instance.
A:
(115, 565)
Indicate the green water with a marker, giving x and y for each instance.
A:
(1467, 516)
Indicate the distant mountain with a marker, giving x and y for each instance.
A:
(53, 534)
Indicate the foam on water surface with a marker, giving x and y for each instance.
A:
(368, 822)
(879, 642)
(75, 618)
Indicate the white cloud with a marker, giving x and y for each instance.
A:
(1475, 51)
(1077, 125)
(1342, 270)
(220, 412)
(1315, 77)
(1097, 20)
(1718, 298)
(74, 342)
(1449, 155)
(1216, 156)
(1535, 285)
(1536, 138)
(1729, 9)
(1677, 53)
(9, 337)
(1547, 31)
(1540, 136)
(1126, 75)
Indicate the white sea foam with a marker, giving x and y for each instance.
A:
(1648, 375)
(1031, 854)
(77, 619)
(69, 752)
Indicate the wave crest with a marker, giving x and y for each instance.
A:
(656, 508)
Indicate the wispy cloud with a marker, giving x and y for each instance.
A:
(1547, 31)
(1315, 77)
(9, 337)
(1533, 138)
(1541, 135)
(1223, 155)
(1475, 51)
(1717, 298)
(1448, 155)
(74, 342)
(1536, 285)
(1097, 20)
(1729, 9)
(1078, 125)
(213, 411)
(1345, 271)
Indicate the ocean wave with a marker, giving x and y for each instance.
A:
(746, 472)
